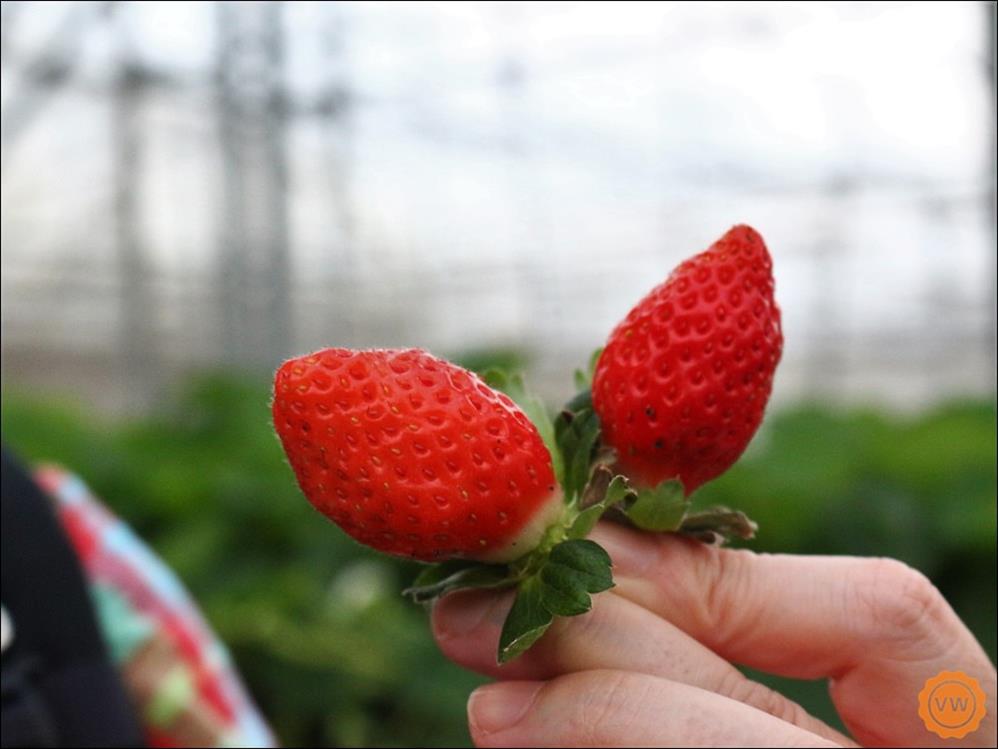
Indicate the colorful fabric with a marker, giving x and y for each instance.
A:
(179, 675)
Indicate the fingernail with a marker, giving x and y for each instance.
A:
(499, 706)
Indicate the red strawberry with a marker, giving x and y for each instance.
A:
(415, 456)
(683, 381)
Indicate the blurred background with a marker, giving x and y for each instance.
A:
(192, 192)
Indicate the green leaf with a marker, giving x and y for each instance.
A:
(581, 401)
(614, 491)
(440, 579)
(526, 622)
(573, 570)
(584, 378)
(514, 386)
(661, 508)
(576, 436)
(593, 361)
(585, 564)
(562, 591)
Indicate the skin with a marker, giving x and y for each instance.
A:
(651, 664)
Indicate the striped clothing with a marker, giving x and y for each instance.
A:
(178, 674)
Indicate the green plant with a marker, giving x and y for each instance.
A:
(332, 653)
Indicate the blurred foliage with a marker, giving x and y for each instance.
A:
(335, 656)
(481, 360)
(331, 652)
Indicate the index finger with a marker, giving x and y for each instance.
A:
(876, 627)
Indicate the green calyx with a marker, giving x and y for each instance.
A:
(559, 576)
(561, 586)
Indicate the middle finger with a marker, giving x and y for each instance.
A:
(616, 634)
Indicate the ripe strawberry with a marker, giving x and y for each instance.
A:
(683, 381)
(415, 456)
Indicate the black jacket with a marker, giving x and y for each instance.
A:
(59, 687)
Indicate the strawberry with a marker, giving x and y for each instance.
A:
(681, 386)
(420, 458)
(415, 456)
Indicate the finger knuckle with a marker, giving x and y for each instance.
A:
(897, 600)
(606, 713)
(724, 578)
(768, 701)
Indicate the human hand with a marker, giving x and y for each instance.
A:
(650, 665)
